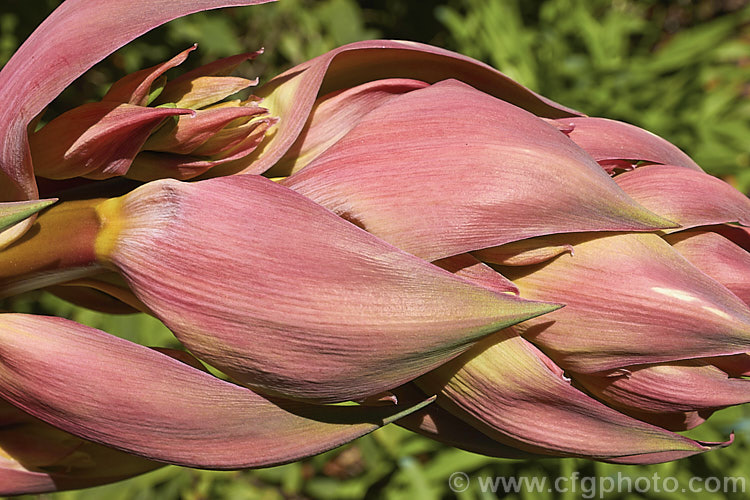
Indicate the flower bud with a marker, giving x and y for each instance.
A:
(147, 128)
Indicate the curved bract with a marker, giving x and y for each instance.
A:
(302, 302)
(36, 457)
(167, 410)
(82, 33)
(509, 390)
(630, 299)
(494, 161)
(436, 246)
(292, 94)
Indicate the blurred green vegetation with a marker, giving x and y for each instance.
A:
(680, 69)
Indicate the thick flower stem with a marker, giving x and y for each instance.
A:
(59, 247)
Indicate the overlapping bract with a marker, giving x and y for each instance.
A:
(634, 305)
(147, 128)
(73, 38)
(432, 218)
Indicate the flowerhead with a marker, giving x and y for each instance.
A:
(427, 222)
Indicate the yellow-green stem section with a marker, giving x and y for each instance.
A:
(60, 246)
(110, 223)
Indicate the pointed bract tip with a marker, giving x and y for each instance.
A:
(546, 308)
(512, 310)
(410, 410)
(654, 222)
(527, 310)
(715, 445)
(14, 212)
(698, 447)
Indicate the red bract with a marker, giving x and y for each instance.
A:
(322, 329)
(495, 162)
(122, 136)
(429, 220)
(165, 409)
(81, 33)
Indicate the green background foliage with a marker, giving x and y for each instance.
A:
(680, 69)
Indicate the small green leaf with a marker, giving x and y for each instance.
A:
(156, 89)
(14, 212)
